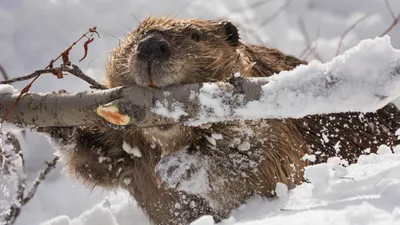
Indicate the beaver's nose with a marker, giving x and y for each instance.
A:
(153, 47)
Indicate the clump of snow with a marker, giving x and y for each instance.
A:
(7, 89)
(217, 136)
(384, 150)
(127, 181)
(310, 158)
(186, 172)
(281, 190)
(135, 151)
(341, 85)
(175, 110)
(204, 220)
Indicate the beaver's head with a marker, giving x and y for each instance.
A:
(165, 51)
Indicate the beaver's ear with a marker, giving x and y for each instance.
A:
(232, 33)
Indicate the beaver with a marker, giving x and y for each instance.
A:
(178, 173)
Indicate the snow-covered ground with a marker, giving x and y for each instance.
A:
(364, 193)
(33, 32)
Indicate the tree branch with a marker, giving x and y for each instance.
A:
(317, 88)
(3, 72)
(75, 70)
(396, 19)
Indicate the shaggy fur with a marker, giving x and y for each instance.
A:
(235, 159)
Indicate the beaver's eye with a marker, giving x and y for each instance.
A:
(232, 33)
(195, 36)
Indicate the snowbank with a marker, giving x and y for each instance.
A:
(364, 193)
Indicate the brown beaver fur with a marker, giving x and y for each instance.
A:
(183, 172)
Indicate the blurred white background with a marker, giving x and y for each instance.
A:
(32, 32)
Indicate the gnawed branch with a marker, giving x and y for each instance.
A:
(338, 86)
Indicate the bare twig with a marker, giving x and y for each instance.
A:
(396, 19)
(64, 56)
(21, 199)
(311, 45)
(267, 20)
(8, 168)
(42, 175)
(347, 31)
(75, 70)
(390, 9)
(251, 6)
(3, 72)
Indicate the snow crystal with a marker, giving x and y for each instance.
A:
(398, 133)
(175, 111)
(310, 158)
(244, 146)
(211, 140)
(127, 181)
(337, 147)
(217, 136)
(135, 151)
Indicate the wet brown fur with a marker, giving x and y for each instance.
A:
(276, 147)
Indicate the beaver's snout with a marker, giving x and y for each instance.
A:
(153, 47)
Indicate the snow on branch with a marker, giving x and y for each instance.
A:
(363, 79)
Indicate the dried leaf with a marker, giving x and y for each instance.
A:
(85, 46)
(94, 30)
(59, 74)
(65, 57)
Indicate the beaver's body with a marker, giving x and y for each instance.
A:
(183, 172)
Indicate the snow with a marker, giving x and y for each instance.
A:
(6, 88)
(28, 42)
(134, 151)
(195, 182)
(362, 193)
(341, 85)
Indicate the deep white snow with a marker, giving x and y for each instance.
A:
(364, 193)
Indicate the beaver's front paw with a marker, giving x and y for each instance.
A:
(183, 171)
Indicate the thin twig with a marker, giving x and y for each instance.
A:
(75, 70)
(266, 21)
(347, 31)
(390, 9)
(3, 72)
(29, 76)
(310, 46)
(15, 208)
(251, 6)
(396, 19)
(42, 175)
(64, 56)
